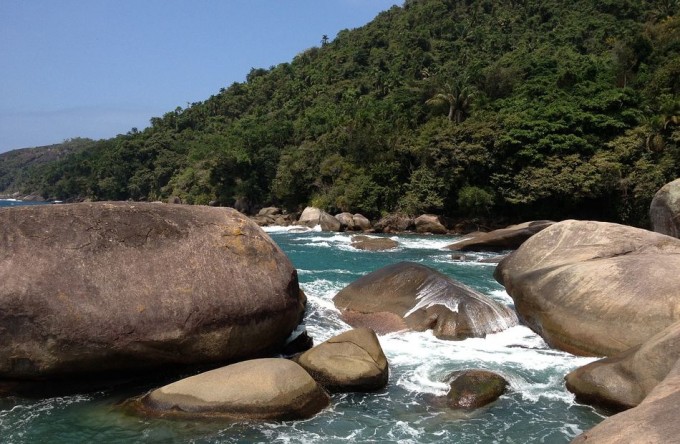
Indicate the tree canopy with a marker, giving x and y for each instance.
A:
(509, 109)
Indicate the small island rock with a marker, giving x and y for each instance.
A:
(472, 389)
(369, 243)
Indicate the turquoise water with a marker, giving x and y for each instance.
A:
(536, 409)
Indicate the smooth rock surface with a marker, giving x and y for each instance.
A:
(352, 361)
(624, 380)
(429, 223)
(101, 287)
(654, 421)
(413, 296)
(394, 223)
(664, 211)
(472, 389)
(594, 288)
(271, 389)
(369, 243)
(508, 238)
(311, 217)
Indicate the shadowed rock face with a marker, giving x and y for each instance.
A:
(664, 211)
(594, 288)
(624, 380)
(273, 389)
(420, 298)
(352, 361)
(98, 287)
(655, 420)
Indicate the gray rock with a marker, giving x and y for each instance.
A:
(394, 223)
(361, 222)
(260, 389)
(312, 217)
(346, 220)
(101, 287)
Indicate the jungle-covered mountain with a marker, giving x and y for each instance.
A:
(504, 109)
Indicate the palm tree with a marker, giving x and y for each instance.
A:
(458, 96)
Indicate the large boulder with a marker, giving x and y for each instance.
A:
(352, 361)
(655, 420)
(412, 296)
(508, 238)
(101, 287)
(361, 222)
(624, 380)
(429, 223)
(261, 389)
(664, 211)
(394, 223)
(311, 217)
(370, 243)
(346, 220)
(475, 388)
(594, 288)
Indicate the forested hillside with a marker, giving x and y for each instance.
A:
(512, 109)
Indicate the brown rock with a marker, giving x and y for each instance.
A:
(312, 217)
(373, 243)
(508, 238)
(430, 223)
(472, 389)
(394, 223)
(260, 389)
(101, 287)
(655, 420)
(346, 220)
(624, 380)
(424, 299)
(594, 288)
(350, 362)
(361, 223)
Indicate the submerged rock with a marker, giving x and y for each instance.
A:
(352, 361)
(508, 238)
(373, 243)
(472, 389)
(624, 380)
(413, 296)
(594, 288)
(664, 211)
(102, 287)
(261, 389)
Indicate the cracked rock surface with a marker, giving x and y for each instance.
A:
(100, 287)
(594, 288)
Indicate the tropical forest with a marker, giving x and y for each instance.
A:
(500, 110)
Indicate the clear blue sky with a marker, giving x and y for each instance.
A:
(97, 68)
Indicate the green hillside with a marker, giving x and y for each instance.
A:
(512, 109)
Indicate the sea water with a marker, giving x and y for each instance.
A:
(536, 409)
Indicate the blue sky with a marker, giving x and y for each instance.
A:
(97, 68)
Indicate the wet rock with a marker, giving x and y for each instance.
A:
(664, 211)
(260, 389)
(624, 380)
(420, 298)
(350, 362)
(472, 389)
(373, 243)
(103, 287)
(594, 288)
(430, 223)
(508, 238)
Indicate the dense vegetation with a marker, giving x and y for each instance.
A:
(511, 109)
